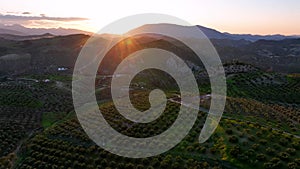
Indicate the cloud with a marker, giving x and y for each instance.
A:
(10, 12)
(26, 13)
(41, 17)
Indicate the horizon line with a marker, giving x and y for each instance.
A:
(95, 32)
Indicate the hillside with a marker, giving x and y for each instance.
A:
(254, 132)
(48, 53)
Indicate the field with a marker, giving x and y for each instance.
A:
(259, 127)
(24, 105)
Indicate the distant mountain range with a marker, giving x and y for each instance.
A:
(20, 30)
(46, 52)
(214, 34)
(26, 37)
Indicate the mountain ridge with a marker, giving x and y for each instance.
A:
(214, 34)
(20, 30)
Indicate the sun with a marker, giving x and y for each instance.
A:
(128, 42)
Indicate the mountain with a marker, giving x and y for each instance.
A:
(214, 34)
(276, 55)
(17, 29)
(210, 33)
(11, 32)
(40, 55)
(28, 37)
(49, 52)
(177, 29)
(15, 63)
(253, 38)
(20, 30)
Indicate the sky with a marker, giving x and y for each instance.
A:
(233, 16)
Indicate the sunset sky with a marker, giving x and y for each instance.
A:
(234, 16)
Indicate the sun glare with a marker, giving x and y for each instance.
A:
(128, 42)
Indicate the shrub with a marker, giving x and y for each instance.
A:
(251, 138)
(277, 147)
(233, 139)
(255, 146)
(190, 148)
(263, 141)
(229, 131)
(295, 145)
(291, 151)
(235, 151)
(292, 165)
(270, 151)
(140, 166)
(283, 141)
(250, 152)
(176, 165)
(245, 143)
(261, 157)
(145, 161)
(201, 149)
(259, 133)
(129, 166)
(274, 163)
(243, 157)
(284, 156)
(213, 150)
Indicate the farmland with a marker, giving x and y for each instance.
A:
(42, 131)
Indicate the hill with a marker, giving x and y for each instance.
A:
(49, 52)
